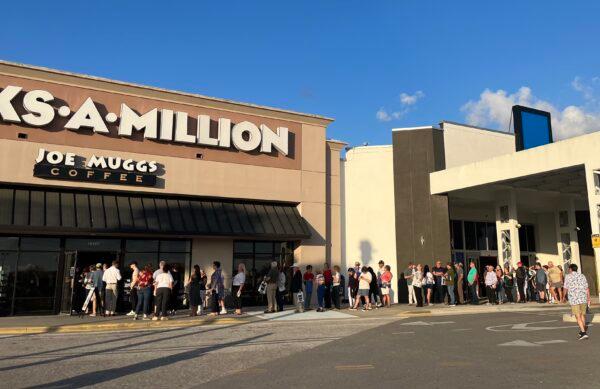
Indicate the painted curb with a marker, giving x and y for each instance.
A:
(148, 325)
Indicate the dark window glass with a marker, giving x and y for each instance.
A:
(264, 247)
(243, 247)
(36, 282)
(481, 236)
(140, 246)
(8, 268)
(142, 259)
(523, 238)
(457, 234)
(175, 246)
(93, 244)
(530, 238)
(40, 244)
(492, 236)
(9, 243)
(470, 236)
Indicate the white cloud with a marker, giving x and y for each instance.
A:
(407, 102)
(382, 115)
(406, 99)
(493, 109)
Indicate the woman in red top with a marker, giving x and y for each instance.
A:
(144, 287)
(386, 285)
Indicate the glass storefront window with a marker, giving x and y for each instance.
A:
(40, 244)
(481, 229)
(9, 243)
(457, 235)
(112, 245)
(492, 236)
(175, 246)
(8, 267)
(243, 247)
(142, 259)
(264, 247)
(141, 245)
(470, 236)
(36, 282)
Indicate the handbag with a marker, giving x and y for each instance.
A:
(262, 288)
(300, 297)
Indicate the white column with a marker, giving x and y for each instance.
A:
(594, 204)
(507, 199)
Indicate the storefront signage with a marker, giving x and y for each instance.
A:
(596, 241)
(110, 170)
(164, 125)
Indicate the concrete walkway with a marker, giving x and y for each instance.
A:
(68, 324)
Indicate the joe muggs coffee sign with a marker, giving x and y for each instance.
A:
(110, 170)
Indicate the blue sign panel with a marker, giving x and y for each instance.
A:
(532, 127)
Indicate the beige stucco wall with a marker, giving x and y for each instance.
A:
(464, 144)
(368, 208)
(300, 177)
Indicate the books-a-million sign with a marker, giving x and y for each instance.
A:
(161, 125)
(110, 170)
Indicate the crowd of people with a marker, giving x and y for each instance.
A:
(154, 294)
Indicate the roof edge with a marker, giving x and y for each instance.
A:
(325, 119)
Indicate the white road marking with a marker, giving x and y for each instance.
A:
(552, 341)
(525, 327)
(424, 323)
(520, 343)
(461, 329)
(403, 333)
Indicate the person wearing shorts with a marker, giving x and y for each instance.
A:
(578, 292)
(364, 281)
(555, 278)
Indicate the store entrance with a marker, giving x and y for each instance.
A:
(77, 265)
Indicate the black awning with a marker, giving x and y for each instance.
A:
(55, 211)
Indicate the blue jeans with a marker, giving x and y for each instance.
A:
(144, 295)
(452, 300)
(307, 298)
(321, 295)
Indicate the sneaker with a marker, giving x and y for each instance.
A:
(93, 315)
(135, 317)
(583, 335)
(452, 305)
(352, 309)
(155, 318)
(223, 312)
(132, 313)
(164, 318)
(145, 318)
(364, 309)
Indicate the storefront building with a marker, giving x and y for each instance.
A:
(454, 192)
(94, 170)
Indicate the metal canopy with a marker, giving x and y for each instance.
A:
(62, 211)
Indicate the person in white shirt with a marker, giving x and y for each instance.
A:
(238, 286)
(163, 283)
(111, 276)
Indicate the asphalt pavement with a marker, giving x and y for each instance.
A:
(492, 350)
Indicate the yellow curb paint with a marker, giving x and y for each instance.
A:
(112, 327)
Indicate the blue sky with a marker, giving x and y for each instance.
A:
(372, 66)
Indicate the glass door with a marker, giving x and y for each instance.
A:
(68, 284)
(8, 268)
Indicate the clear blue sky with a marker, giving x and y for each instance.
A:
(342, 59)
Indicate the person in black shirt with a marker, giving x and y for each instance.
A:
(352, 285)
(438, 274)
(296, 288)
(521, 276)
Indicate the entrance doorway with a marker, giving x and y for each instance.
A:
(77, 264)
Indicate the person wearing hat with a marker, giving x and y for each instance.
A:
(98, 302)
(296, 288)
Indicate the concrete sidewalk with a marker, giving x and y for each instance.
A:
(15, 325)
